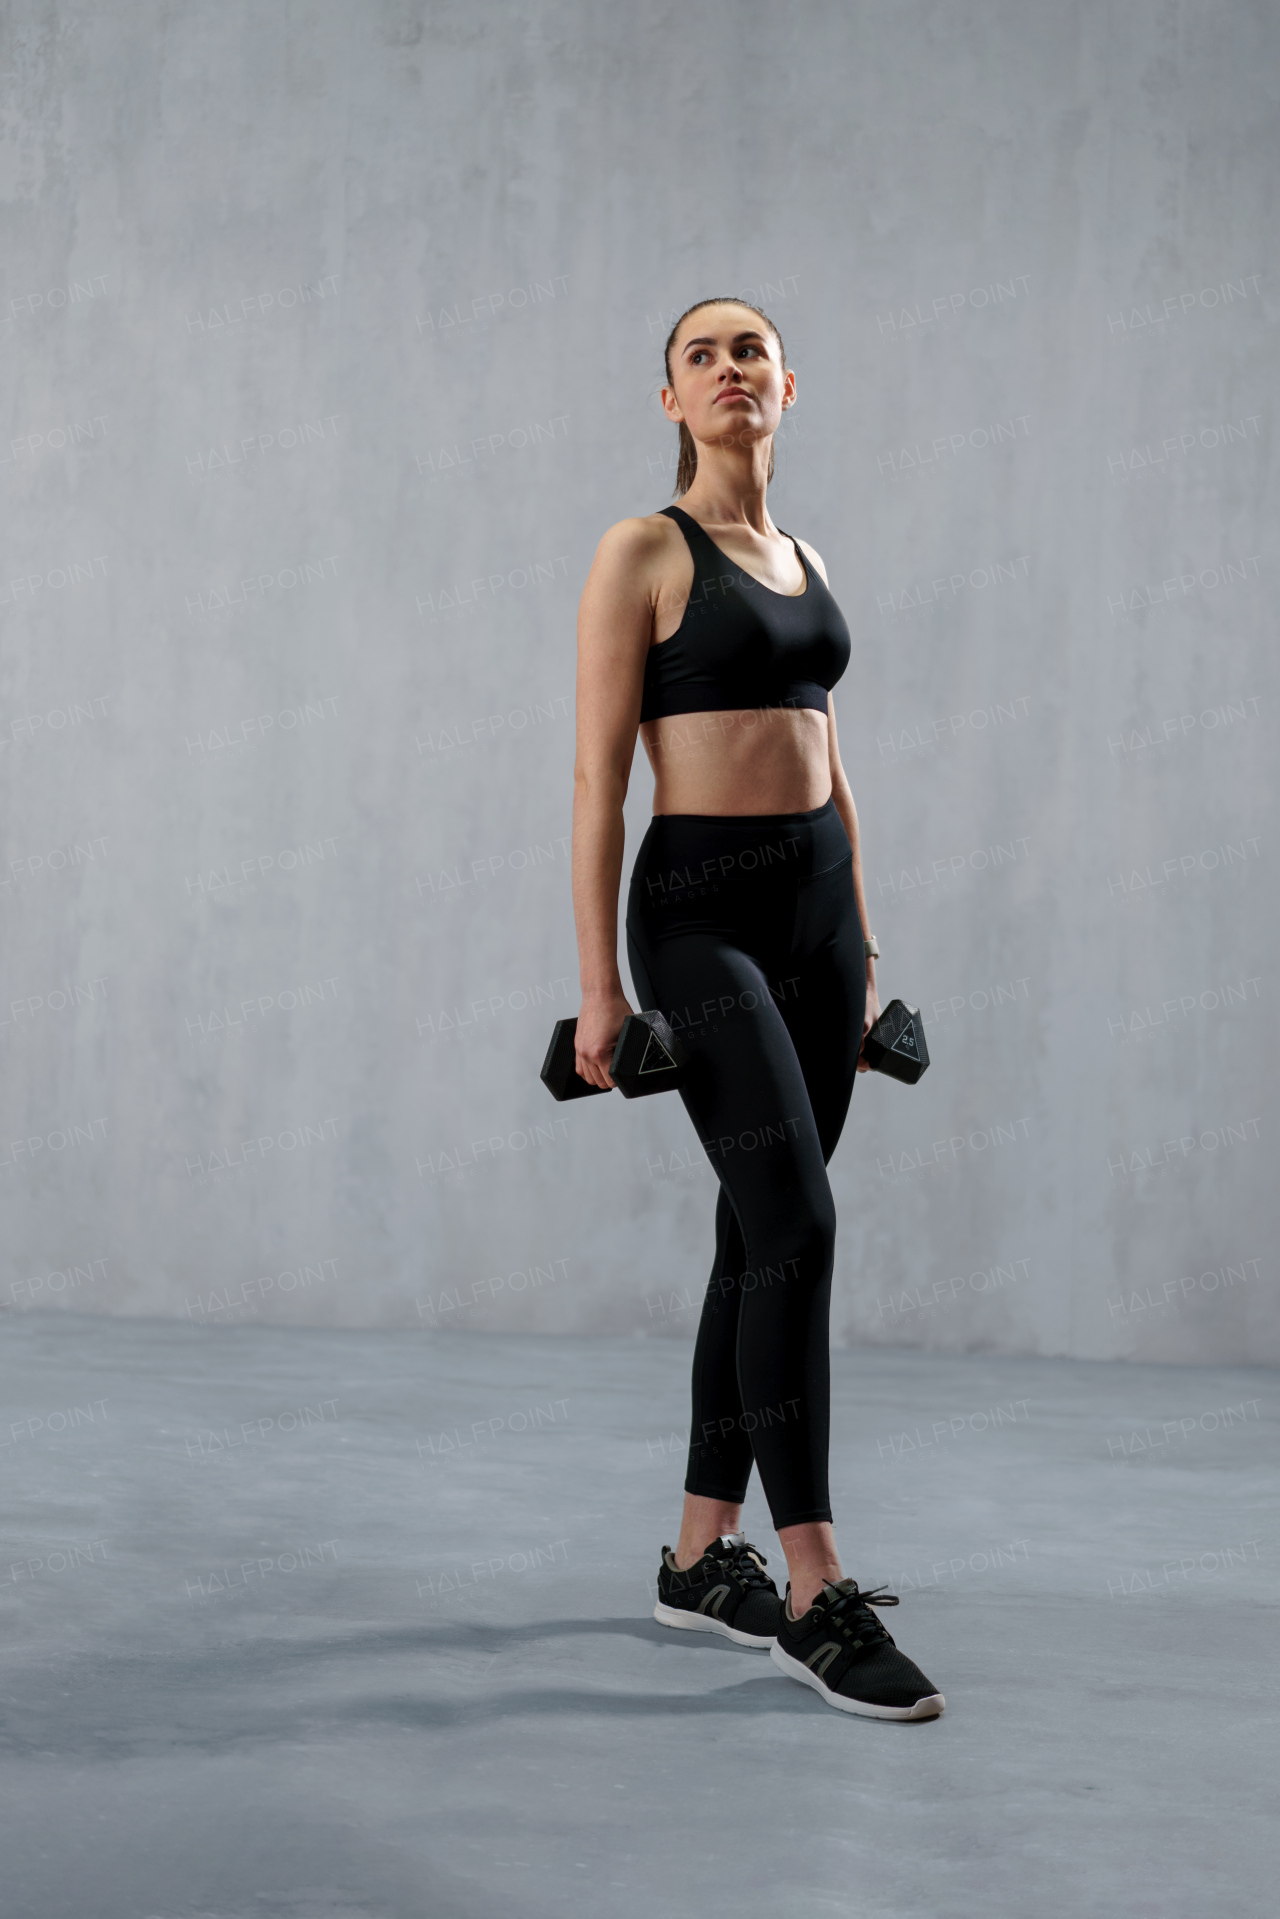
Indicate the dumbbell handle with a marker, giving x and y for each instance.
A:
(646, 1059)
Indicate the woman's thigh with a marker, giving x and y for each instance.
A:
(824, 1004)
(744, 1083)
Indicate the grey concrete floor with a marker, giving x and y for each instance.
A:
(345, 1624)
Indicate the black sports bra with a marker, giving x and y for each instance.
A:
(740, 644)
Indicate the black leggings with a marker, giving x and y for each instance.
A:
(744, 932)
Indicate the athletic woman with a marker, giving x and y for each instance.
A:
(715, 637)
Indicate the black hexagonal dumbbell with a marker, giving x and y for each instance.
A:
(648, 1058)
(895, 1044)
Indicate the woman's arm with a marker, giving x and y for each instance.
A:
(842, 794)
(843, 797)
(615, 626)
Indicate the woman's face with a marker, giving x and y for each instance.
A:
(727, 376)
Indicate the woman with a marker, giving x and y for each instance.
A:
(715, 637)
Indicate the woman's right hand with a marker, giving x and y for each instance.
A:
(599, 1023)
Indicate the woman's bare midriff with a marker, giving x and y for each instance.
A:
(755, 760)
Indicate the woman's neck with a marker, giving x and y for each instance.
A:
(729, 487)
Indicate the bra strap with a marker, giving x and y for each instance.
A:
(804, 564)
(692, 532)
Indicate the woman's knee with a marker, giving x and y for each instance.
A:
(814, 1246)
(802, 1251)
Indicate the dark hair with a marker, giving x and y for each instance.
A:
(687, 465)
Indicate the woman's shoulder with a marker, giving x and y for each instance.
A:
(635, 544)
(640, 533)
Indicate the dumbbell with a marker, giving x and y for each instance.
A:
(648, 1058)
(895, 1043)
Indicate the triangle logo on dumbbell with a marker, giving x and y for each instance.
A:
(656, 1057)
(906, 1043)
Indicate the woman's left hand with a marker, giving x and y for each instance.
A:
(869, 1019)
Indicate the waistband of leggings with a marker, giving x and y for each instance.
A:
(692, 850)
(757, 821)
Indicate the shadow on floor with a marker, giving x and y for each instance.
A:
(233, 1695)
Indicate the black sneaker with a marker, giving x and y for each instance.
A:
(726, 1591)
(840, 1649)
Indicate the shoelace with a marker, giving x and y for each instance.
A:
(747, 1565)
(844, 1610)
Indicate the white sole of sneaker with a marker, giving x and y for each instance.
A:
(701, 1622)
(930, 1707)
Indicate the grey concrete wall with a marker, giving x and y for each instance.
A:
(331, 339)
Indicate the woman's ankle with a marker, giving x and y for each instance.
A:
(813, 1559)
(703, 1521)
(688, 1551)
(807, 1585)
